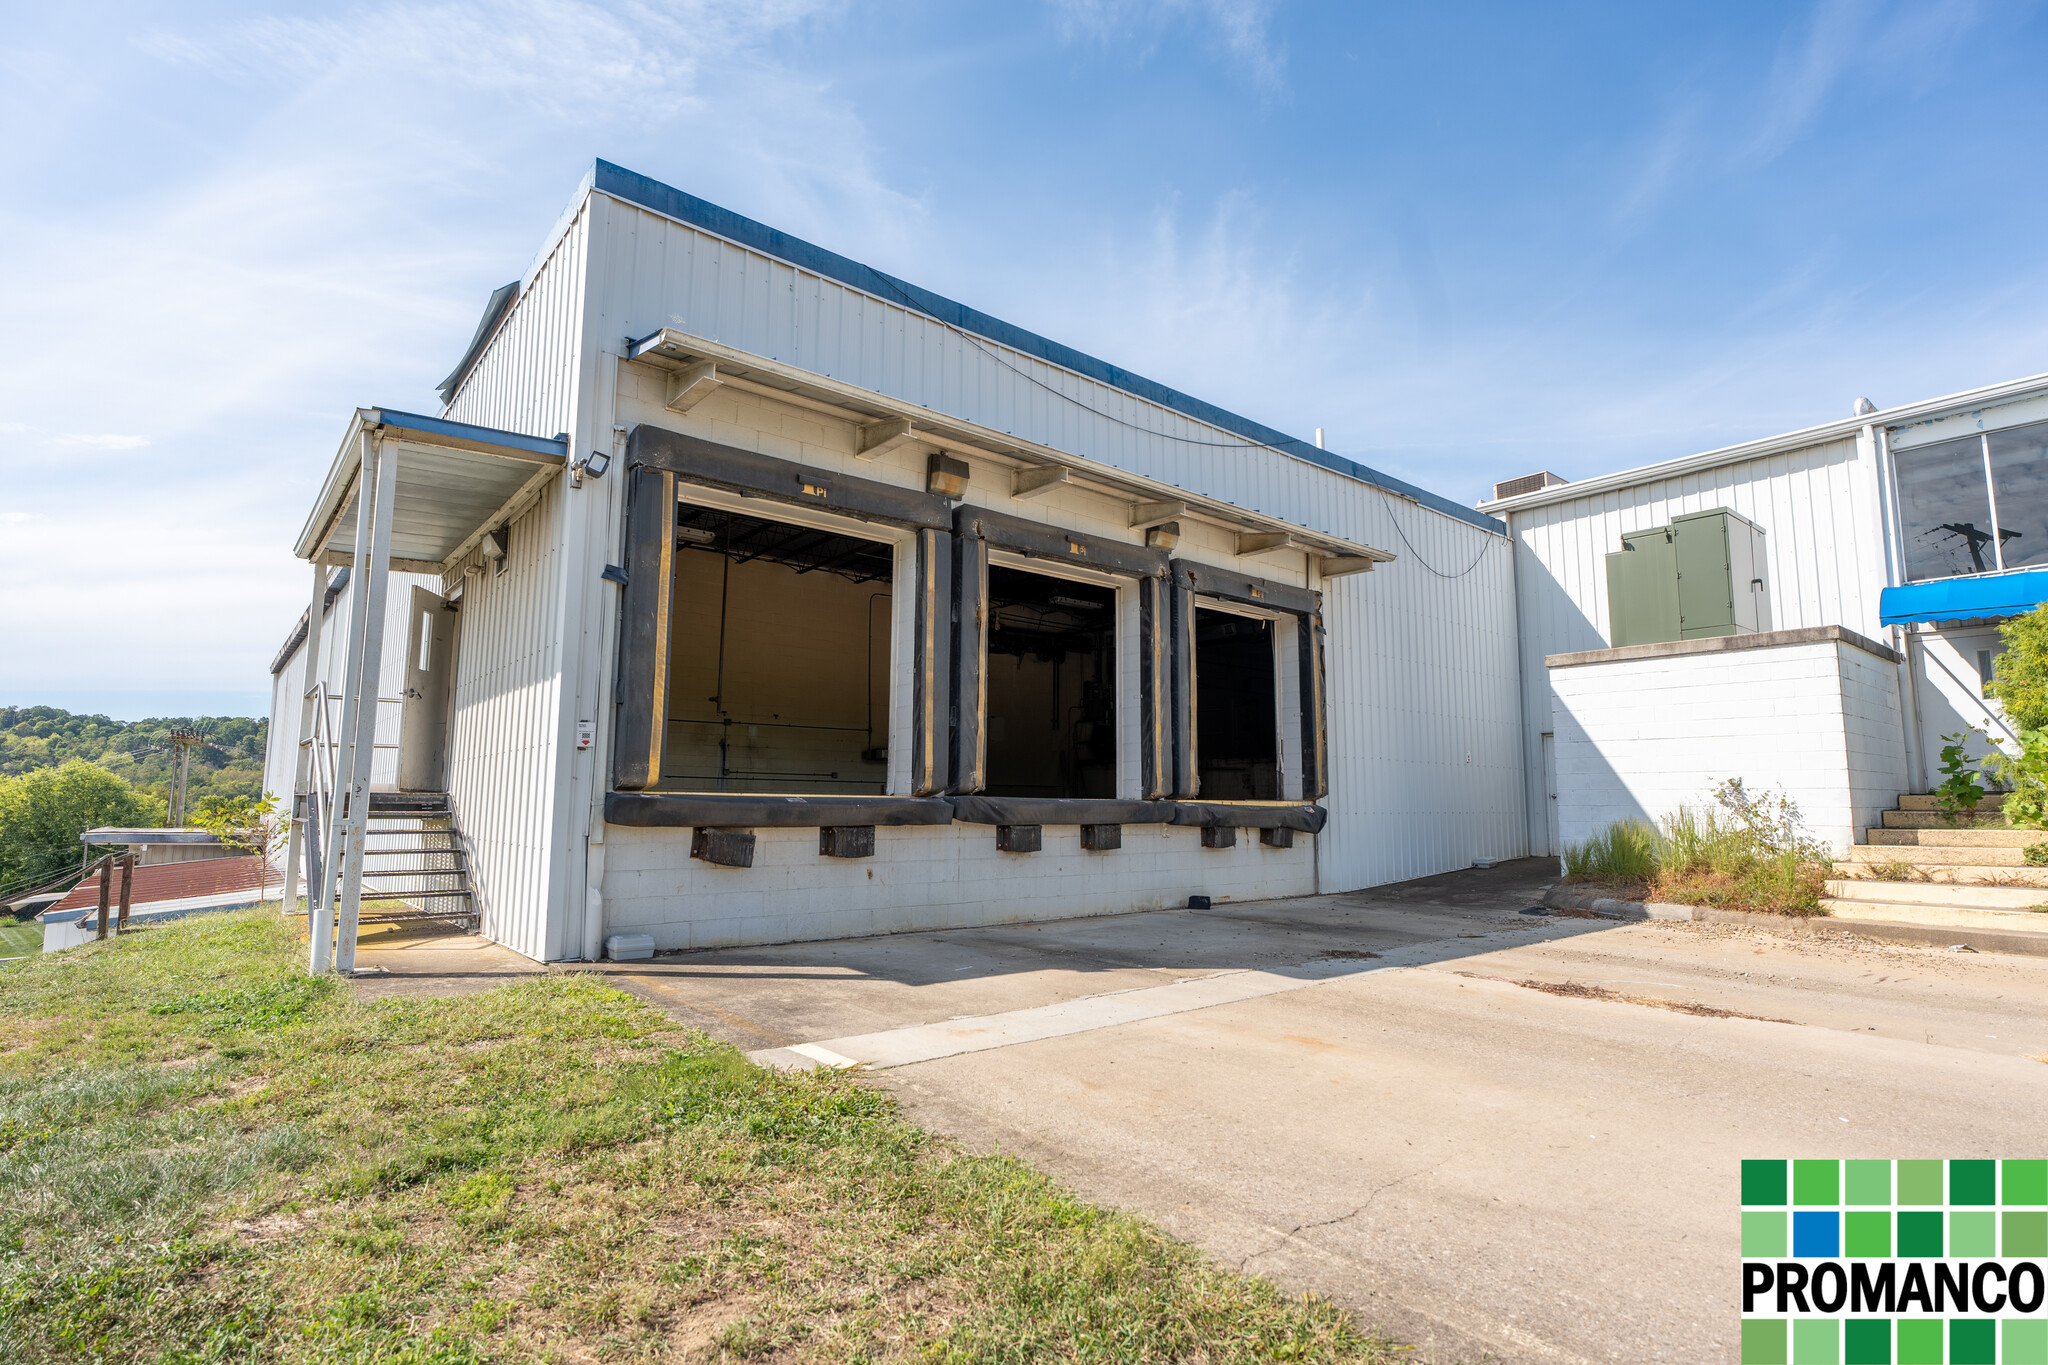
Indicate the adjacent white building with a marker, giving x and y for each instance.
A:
(741, 593)
(1902, 535)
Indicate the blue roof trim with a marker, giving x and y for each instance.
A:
(464, 431)
(1962, 599)
(666, 199)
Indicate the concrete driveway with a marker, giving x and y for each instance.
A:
(1376, 1097)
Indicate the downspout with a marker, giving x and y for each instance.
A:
(1895, 575)
(601, 707)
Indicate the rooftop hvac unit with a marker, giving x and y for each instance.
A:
(1701, 576)
(1528, 483)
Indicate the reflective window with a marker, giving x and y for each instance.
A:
(1945, 509)
(2019, 476)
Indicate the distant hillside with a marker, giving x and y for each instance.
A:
(43, 737)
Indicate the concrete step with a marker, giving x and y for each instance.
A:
(1870, 891)
(1937, 856)
(1940, 916)
(1951, 874)
(1917, 801)
(1934, 819)
(1941, 837)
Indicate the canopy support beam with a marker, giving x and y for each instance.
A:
(367, 588)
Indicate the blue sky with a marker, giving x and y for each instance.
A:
(1470, 241)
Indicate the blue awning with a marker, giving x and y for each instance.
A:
(1963, 599)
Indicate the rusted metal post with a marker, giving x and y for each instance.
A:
(106, 884)
(127, 891)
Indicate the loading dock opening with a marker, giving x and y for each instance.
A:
(778, 657)
(1237, 736)
(1051, 686)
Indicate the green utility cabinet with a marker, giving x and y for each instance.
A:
(1703, 575)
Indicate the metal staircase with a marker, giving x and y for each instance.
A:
(414, 866)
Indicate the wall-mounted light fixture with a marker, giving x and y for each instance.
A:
(596, 463)
(1164, 536)
(945, 475)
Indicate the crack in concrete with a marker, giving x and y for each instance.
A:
(1300, 1228)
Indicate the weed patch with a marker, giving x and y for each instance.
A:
(1746, 852)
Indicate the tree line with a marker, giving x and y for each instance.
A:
(62, 774)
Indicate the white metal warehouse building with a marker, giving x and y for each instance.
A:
(740, 593)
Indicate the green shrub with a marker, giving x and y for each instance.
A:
(2037, 854)
(2019, 682)
(2026, 780)
(2019, 678)
(1626, 851)
(1960, 791)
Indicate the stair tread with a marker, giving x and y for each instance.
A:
(1930, 801)
(1953, 837)
(2022, 921)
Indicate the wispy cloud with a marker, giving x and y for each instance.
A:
(1906, 44)
(339, 194)
(1673, 149)
(1241, 28)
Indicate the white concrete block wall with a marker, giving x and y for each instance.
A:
(923, 877)
(1637, 738)
(1874, 722)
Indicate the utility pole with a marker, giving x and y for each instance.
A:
(182, 739)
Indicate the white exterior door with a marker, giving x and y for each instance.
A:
(423, 732)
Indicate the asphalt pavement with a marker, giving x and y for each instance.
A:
(1494, 1134)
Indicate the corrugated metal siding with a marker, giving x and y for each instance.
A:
(660, 273)
(501, 737)
(1825, 550)
(525, 380)
(1424, 692)
(508, 682)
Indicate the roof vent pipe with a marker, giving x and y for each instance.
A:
(1319, 438)
(1864, 407)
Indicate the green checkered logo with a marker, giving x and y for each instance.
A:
(1894, 1262)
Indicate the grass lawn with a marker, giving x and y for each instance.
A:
(206, 1156)
(20, 938)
